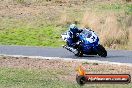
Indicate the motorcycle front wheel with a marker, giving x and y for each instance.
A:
(101, 51)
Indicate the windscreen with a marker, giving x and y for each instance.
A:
(86, 33)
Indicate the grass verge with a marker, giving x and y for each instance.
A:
(46, 36)
(28, 78)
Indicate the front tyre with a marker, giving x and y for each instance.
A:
(101, 51)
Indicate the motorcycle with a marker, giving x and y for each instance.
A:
(88, 44)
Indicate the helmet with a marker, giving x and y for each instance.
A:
(73, 28)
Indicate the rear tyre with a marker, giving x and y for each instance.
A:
(101, 51)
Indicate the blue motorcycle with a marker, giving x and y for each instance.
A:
(88, 44)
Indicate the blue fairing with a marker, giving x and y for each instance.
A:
(86, 45)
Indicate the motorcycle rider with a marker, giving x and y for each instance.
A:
(73, 38)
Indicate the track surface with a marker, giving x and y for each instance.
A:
(121, 56)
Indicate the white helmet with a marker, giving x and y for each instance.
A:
(72, 26)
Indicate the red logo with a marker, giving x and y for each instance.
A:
(83, 78)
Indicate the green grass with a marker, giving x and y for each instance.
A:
(46, 36)
(29, 78)
(26, 78)
(115, 7)
(129, 8)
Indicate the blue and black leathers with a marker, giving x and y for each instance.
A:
(71, 42)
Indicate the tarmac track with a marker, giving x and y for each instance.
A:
(120, 56)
